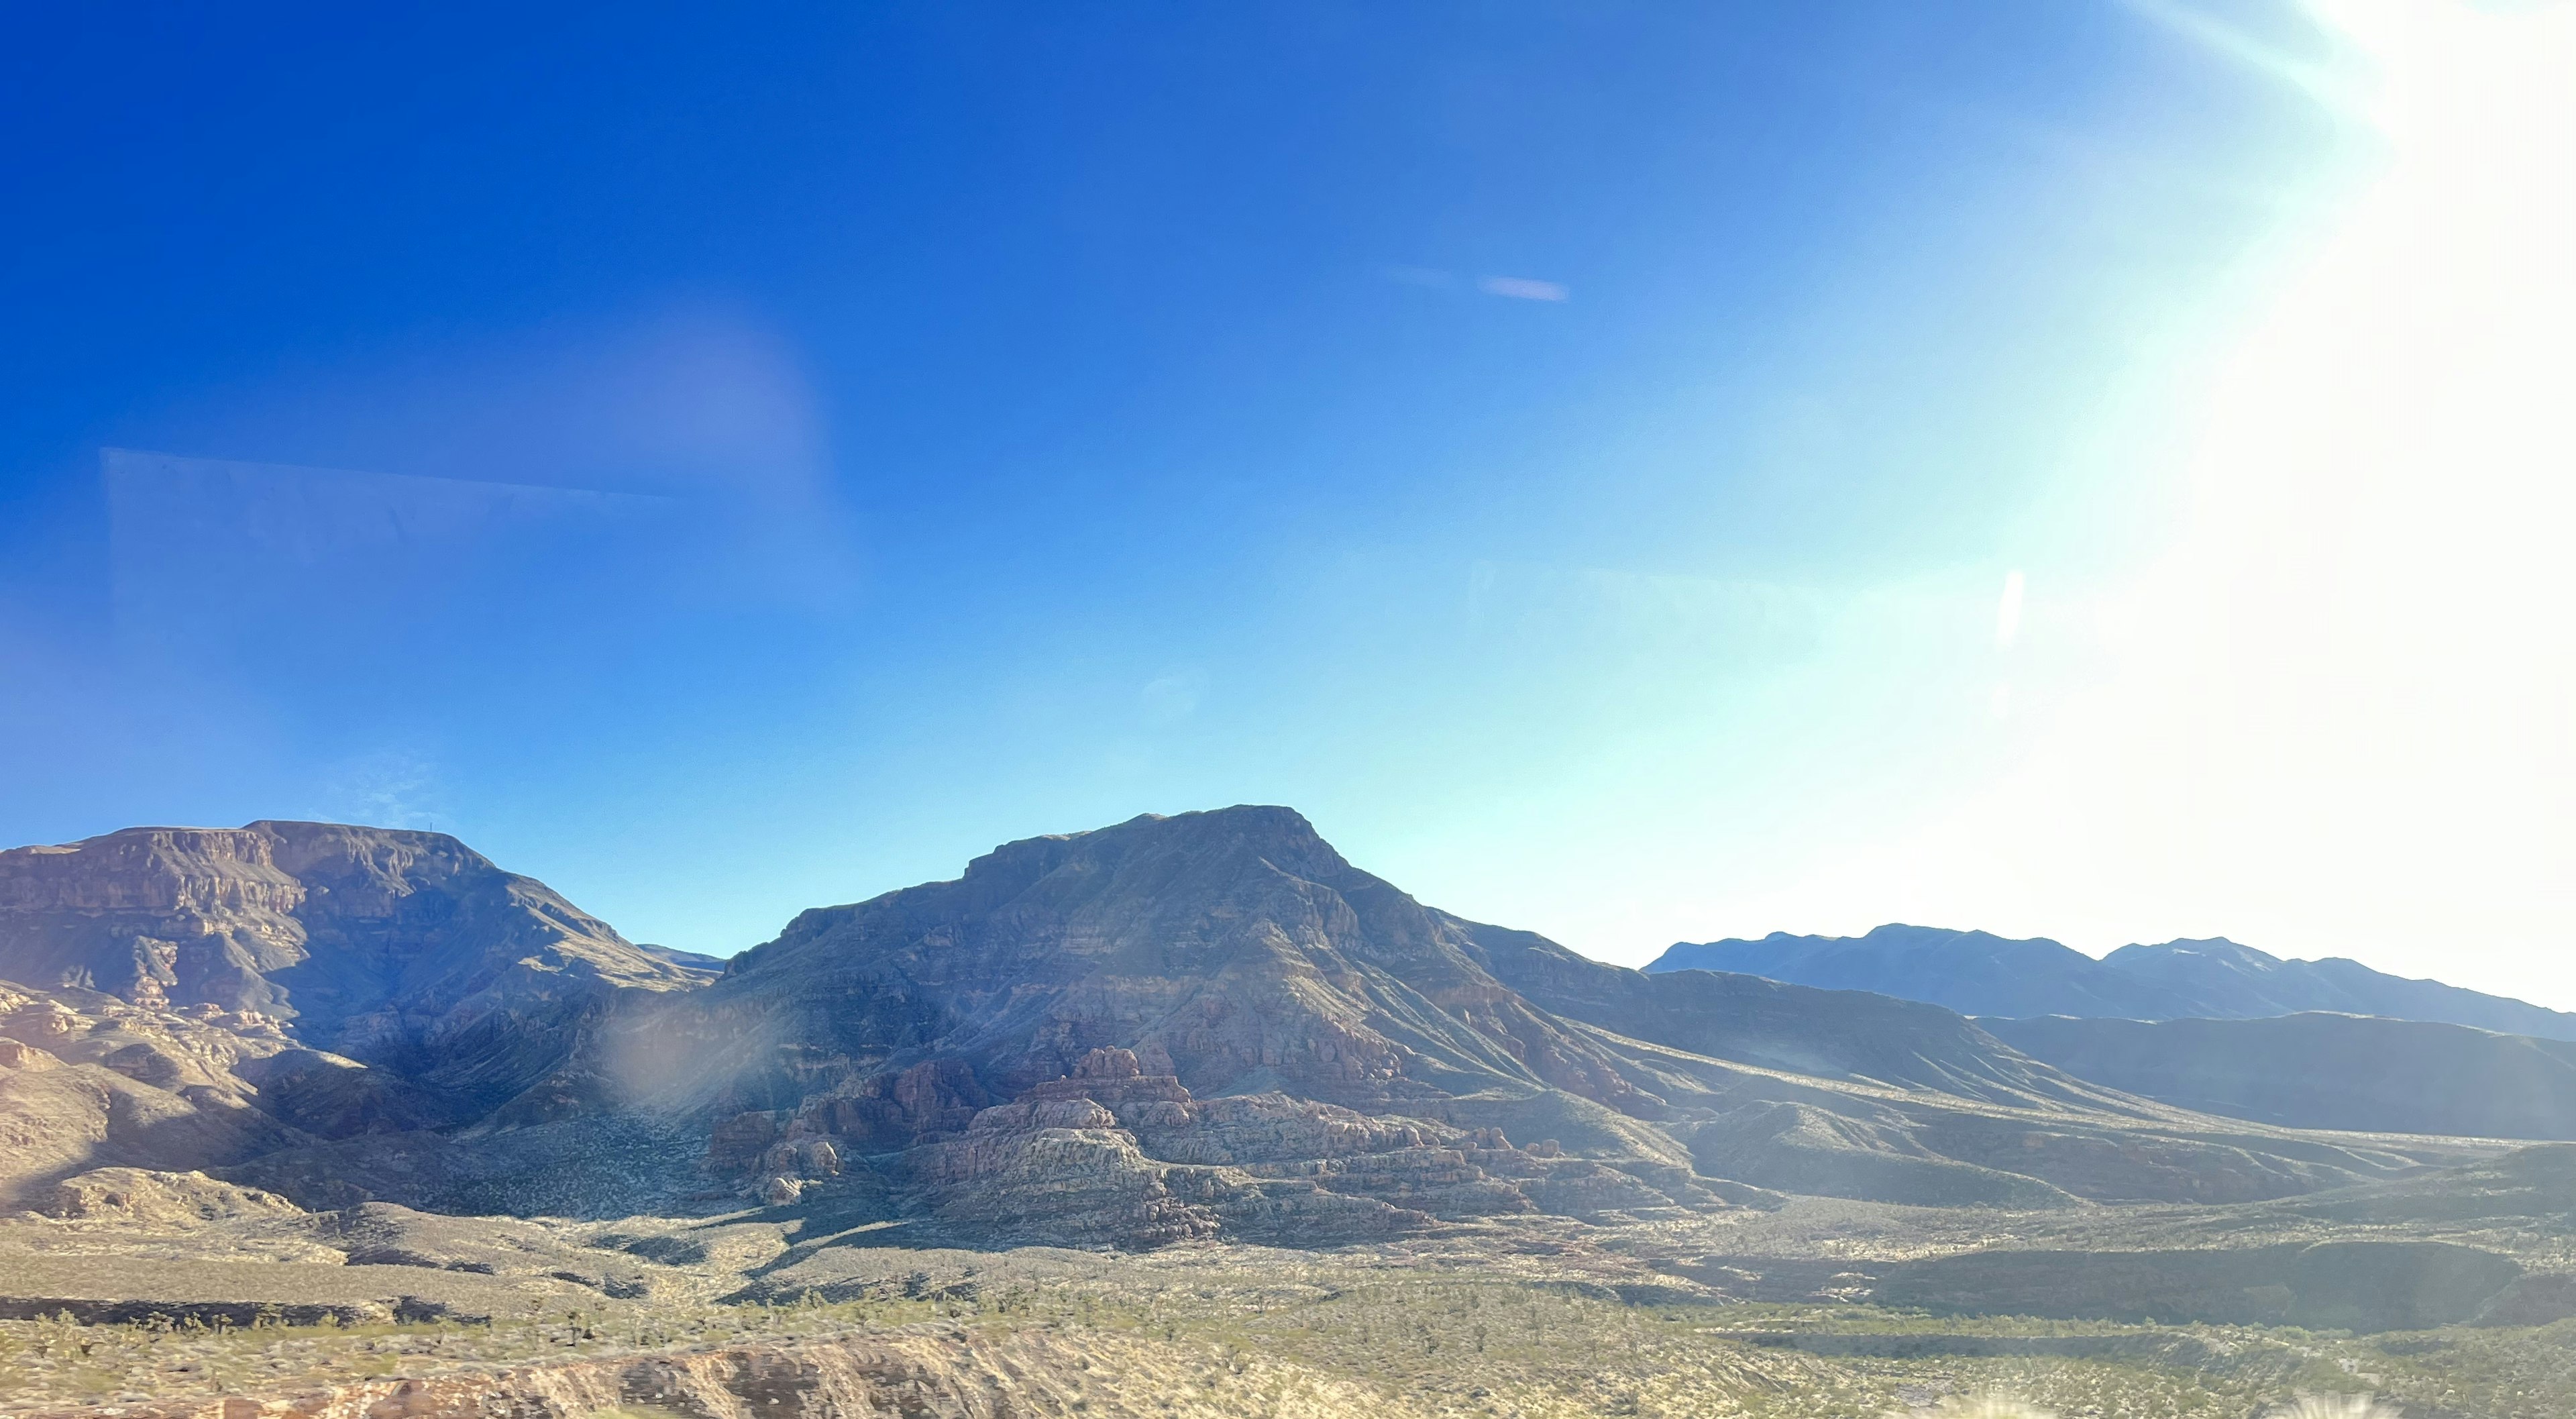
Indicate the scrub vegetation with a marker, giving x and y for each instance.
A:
(1217, 1336)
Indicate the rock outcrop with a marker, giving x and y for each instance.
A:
(87, 1080)
(141, 1197)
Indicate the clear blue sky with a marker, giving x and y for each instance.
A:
(1570, 451)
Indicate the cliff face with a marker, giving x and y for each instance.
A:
(407, 951)
(182, 916)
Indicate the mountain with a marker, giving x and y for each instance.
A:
(1214, 1024)
(1975, 973)
(2323, 1071)
(404, 951)
(2250, 983)
(1208, 1025)
(1971, 972)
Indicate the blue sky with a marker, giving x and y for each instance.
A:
(1574, 453)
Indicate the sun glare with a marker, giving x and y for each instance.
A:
(2334, 715)
(2354, 673)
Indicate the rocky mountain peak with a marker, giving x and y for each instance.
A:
(1237, 945)
(1279, 835)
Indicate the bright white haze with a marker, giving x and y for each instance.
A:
(2335, 717)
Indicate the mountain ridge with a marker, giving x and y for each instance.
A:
(1204, 1025)
(1979, 974)
(1236, 955)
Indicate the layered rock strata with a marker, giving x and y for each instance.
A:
(1110, 1155)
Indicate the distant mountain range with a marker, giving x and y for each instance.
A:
(1976, 973)
(2361, 1074)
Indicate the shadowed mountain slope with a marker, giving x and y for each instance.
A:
(2323, 1071)
(1975, 973)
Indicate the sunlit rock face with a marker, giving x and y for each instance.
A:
(89, 1080)
(182, 916)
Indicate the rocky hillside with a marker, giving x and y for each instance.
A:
(1975, 973)
(87, 1080)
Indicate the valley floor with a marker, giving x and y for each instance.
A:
(754, 1315)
